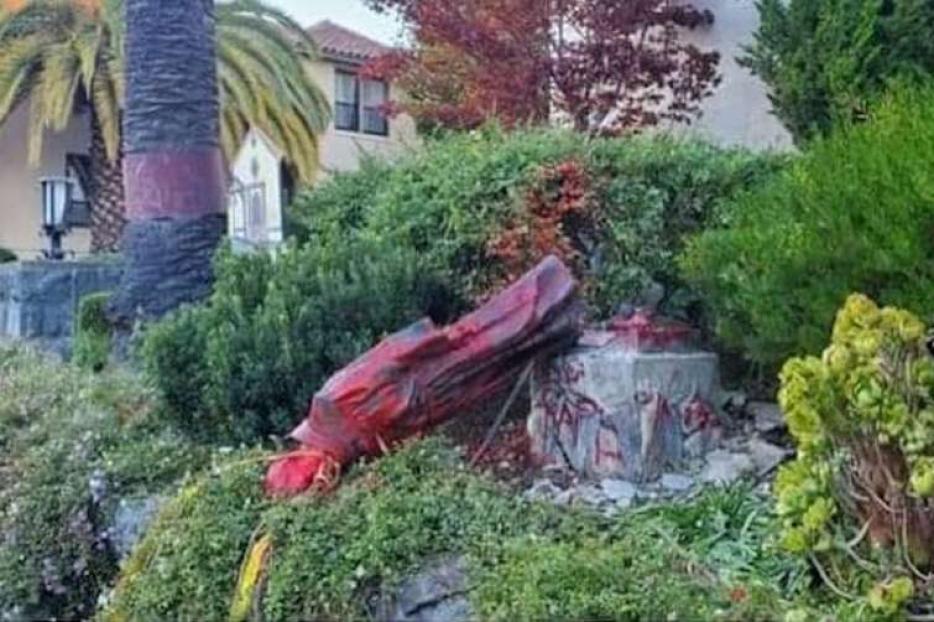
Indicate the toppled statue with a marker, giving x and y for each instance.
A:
(424, 376)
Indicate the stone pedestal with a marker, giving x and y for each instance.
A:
(39, 299)
(610, 409)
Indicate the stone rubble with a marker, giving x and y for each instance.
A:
(744, 453)
(726, 467)
(768, 417)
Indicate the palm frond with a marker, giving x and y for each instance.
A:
(51, 49)
(20, 61)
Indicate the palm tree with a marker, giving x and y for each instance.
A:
(174, 170)
(67, 55)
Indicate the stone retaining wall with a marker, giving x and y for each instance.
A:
(39, 299)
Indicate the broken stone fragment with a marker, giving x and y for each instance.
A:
(724, 467)
(541, 490)
(676, 482)
(591, 495)
(617, 490)
(768, 417)
(766, 456)
(133, 516)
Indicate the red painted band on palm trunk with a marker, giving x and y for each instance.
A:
(174, 184)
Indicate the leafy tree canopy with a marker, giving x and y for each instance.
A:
(601, 65)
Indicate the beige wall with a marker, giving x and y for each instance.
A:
(20, 219)
(20, 216)
(738, 113)
(340, 150)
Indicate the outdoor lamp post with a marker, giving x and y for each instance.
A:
(56, 200)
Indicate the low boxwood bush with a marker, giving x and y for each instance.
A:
(7, 256)
(855, 213)
(92, 333)
(465, 200)
(245, 364)
(332, 557)
(857, 501)
(73, 445)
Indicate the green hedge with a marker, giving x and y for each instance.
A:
(7, 256)
(384, 246)
(448, 201)
(92, 333)
(855, 213)
(245, 364)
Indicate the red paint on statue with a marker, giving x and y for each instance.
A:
(425, 375)
(643, 331)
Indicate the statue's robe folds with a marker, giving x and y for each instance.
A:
(425, 375)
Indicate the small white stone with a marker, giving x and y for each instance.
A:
(617, 489)
(724, 467)
(768, 417)
(542, 489)
(677, 482)
(591, 495)
(565, 497)
(766, 456)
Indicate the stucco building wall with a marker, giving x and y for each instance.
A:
(20, 200)
(341, 150)
(739, 112)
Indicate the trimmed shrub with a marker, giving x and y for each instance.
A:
(92, 333)
(7, 256)
(334, 557)
(826, 61)
(861, 488)
(245, 364)
(73, 445)
(853, 214)
(482, 205)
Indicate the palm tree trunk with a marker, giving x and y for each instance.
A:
(106, 194)
(173, 168)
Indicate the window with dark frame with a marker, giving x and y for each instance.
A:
(359, 104)
(78, 168)
(375, 96)
(347, 102)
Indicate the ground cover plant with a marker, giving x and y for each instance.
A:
(847, 216)
(73, 444)
(332, 556)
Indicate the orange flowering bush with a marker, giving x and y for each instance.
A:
(556, 217)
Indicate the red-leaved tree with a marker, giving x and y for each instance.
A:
(603, 66)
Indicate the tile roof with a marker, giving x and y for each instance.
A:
(339, 43)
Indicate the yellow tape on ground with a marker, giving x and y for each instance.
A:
(251, 572)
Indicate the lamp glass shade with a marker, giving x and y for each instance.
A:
(56, 199)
